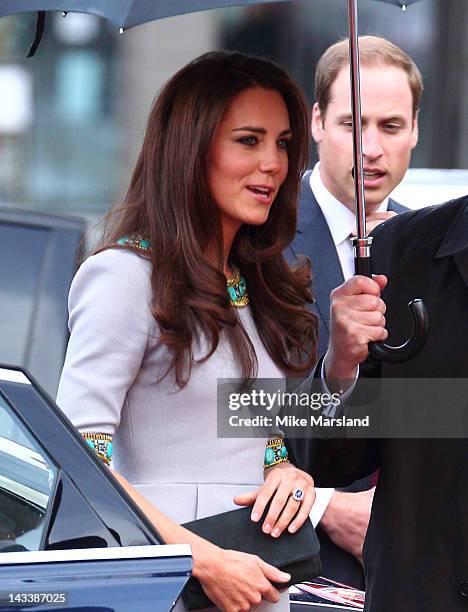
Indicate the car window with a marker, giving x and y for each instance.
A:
(27, 480)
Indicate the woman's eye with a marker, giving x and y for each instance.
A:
(249, 141)
(284, 143)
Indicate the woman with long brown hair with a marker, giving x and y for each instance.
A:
(189, 286)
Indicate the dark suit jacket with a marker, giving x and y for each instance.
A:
(416, 551)
(313, 238)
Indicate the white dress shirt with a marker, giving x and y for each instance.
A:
(342, 223)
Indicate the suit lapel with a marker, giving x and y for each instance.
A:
(314, 239)
(396, 207)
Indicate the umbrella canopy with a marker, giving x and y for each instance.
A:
(128, 13)
(402, 3)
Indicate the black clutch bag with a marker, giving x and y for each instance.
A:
(294, 553)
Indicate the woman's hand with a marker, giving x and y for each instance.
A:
(280, 482)
(235, 581)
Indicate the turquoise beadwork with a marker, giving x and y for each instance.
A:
(269, 456)
(237, 290)
(236, 286)
(101, 444)
(275, 452)
(136, 242)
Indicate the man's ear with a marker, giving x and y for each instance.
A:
(316, 124)
(415, 130)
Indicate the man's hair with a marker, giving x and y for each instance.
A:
(373, 51)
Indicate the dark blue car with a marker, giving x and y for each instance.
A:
(70, 537)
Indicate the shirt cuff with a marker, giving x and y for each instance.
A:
(331, 409)
(322, 499)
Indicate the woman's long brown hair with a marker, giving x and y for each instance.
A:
(169, 201)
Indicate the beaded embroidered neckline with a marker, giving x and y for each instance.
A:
(136, 242)
(237, 290)
(236, 285)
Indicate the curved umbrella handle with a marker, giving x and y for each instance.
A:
(418, 311)
(412, 346)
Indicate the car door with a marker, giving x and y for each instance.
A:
(70, 536)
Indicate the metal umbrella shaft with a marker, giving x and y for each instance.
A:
(362, 242)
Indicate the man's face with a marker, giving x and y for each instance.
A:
(389, 133)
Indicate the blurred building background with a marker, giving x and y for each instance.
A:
(72, 118)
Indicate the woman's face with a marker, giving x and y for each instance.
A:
(248, 159)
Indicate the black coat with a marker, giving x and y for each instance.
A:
(416, 550)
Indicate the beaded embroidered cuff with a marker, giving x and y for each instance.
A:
(275, 452)
(101, 444)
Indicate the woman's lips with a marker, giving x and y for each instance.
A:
(261, 194)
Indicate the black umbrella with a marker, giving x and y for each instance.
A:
(128, 13)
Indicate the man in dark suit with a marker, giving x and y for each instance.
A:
(416, 555)
(391, 87)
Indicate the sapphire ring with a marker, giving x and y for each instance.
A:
(298, 495)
